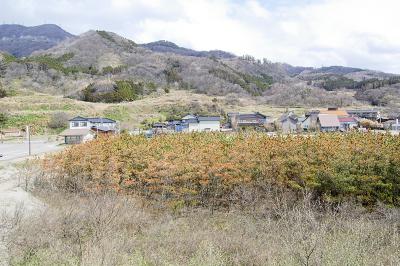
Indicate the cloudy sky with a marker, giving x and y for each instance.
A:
(358, 33)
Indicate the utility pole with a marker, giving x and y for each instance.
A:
(28, 135)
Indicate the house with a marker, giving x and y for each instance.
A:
(159, 128)
(373, 115)
(97, 124)
(395, 126)
(237, 120)
(202, 123)
(209, 123)
(348, 123)
(328, 122)
(76, 136)
(309, 123)
(83, 129)
(288, 123)
(12, 132)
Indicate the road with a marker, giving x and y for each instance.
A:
(12, 196)
(11, 151)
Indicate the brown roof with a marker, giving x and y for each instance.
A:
(328, 120)
(76, 132)
(337, 112)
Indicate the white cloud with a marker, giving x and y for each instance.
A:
(360, 33)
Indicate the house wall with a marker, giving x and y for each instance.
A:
(348, 125)
(329, 129)
(78, 139)
(79, 124)
(193, 127)
(208, 126)
(106, 125)
(288, 126)
(84, 124)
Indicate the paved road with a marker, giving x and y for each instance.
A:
(11, 151)
(12, 196)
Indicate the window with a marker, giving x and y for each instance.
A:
(75, 124)
(83, 124)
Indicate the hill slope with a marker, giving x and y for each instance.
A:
(84, 63)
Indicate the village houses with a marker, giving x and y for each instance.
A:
(83, 129)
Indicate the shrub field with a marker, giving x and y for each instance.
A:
(208, 169)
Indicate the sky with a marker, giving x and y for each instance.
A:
(356, 33)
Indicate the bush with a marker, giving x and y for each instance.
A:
(122, 90)
(3, 92)
(205, 169)
(58, 120)
(3, 118)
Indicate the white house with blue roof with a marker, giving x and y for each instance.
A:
(97, 123)
(201, 123)
(83, 129)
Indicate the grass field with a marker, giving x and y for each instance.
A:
(27, 107)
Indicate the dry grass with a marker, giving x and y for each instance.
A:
(118, 230)
(131, 114)
(42, 106)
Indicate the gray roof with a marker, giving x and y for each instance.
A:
(78, 118)
(93, 119)
(191, 121)
(363, 111)
(209, 118)
(188, 117)
(290, 116)
(240, 116)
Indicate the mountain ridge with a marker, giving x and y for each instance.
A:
(80, 62)
(21, 41)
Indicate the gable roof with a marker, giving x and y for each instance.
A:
(92, 119)
(101, 120)
(289, 116)
(256, 115)
(79, 118)
(328, 120)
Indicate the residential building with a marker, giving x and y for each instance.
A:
(289, 123)
(83, 129)
(348, 123)
(309, 123)
(373, 115)
(11, 132)
(328, 122)
(396, 126)
(238, 121)
(98, 124)
(203, 123)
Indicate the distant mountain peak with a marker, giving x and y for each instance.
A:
(20, 40)
(164, 46)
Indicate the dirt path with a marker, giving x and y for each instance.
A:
(14, 200)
